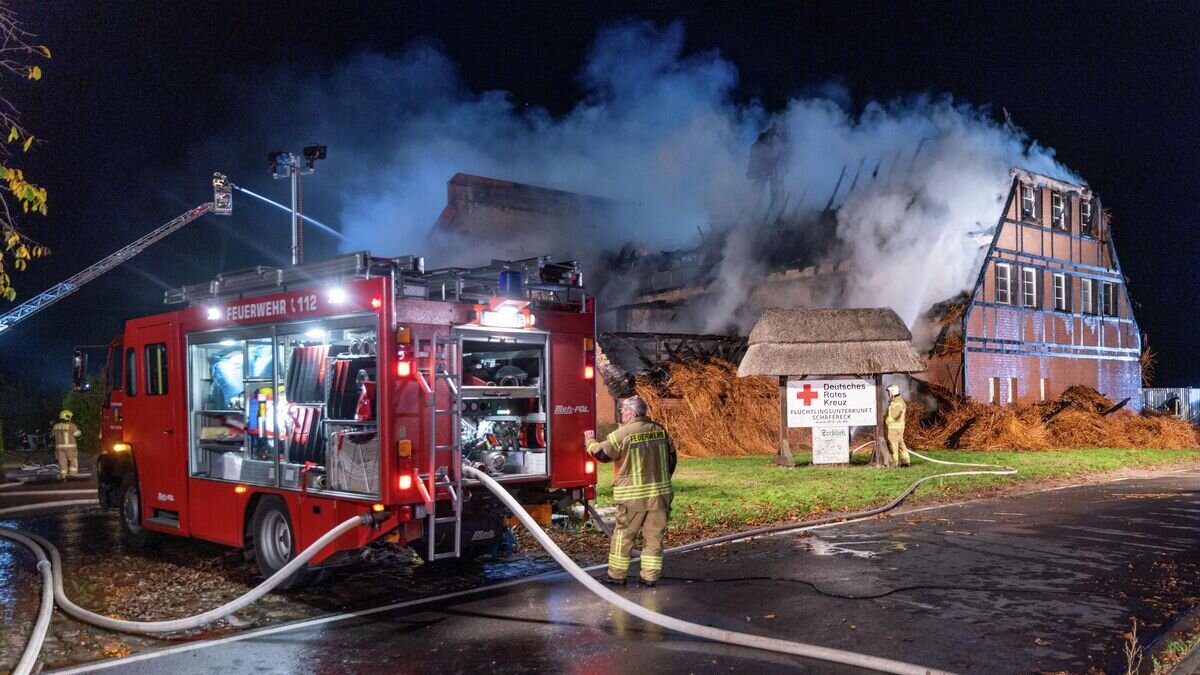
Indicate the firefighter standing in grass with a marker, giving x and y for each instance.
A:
(895, 426)
(65, 434)
(644, 458)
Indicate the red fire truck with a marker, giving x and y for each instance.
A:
(278, 402)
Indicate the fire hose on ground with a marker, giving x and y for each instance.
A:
(50, 566)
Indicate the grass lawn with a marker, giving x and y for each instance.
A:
(734, 492)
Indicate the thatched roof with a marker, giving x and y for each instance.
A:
(830, 342)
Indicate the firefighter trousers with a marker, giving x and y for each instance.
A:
(68, 460)
(652, 525)
(895, 441)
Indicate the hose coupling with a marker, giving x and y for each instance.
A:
(372, 518)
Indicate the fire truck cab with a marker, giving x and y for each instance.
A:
(278, 402)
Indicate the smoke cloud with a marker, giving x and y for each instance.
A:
(662, 133)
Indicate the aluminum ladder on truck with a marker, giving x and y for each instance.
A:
(443, 454)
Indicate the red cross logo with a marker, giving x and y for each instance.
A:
(807, 395)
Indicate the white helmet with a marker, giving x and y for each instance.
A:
(893, 390)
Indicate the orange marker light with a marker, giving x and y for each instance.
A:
(404, 368)
(241, 489)
(377, 508)
(405, 481)
(376, 303)
(589, 373)
(589, 467)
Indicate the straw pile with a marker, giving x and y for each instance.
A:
(1074, 420)
(711, 412)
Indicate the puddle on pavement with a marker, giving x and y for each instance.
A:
(864, 548)
(180, 577)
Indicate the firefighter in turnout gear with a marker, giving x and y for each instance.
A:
(644, 460)
(895, 426)
(65, 434)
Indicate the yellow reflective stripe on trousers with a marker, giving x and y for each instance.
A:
(618, 563)
(651, 562)
(623, 492)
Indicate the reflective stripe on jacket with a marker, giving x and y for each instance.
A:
(895, 413)
(65, 434)
(644, 458)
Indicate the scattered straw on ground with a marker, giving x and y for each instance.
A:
(711, 412)
(1074, 420)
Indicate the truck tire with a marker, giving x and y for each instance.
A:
(275, 543)
(129, 500)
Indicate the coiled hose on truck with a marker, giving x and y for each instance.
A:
(52, 590)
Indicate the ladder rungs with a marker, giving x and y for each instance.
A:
(448, 411)
(450, 554)
(447, 519)
(443, 448)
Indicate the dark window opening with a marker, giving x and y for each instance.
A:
(1058, 211)
(1108, 298)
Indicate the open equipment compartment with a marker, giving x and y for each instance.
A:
(504, 398)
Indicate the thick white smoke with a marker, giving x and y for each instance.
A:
(662, 131)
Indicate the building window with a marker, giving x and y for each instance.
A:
(156, 369)
(1108, 298)
(1029, 288)
(1085, 217)
(1058, 211)
(1042, 388)
(1087, 296)
(1012, 390)
(992, 387)
(1028, 209)
(1004, 283)
(1060, 293)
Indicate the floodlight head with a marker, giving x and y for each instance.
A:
(312, 153)
(279, 162)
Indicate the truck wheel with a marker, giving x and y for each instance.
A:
(130, 502)
(275, 543)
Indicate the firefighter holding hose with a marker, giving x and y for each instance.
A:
(644, 460)
(65, 435)
(896, 412)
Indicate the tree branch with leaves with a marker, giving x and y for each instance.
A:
(19, 58)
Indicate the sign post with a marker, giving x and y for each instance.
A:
(831, 445)
(830, 408)
(831, 403)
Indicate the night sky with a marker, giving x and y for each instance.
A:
(136, 94)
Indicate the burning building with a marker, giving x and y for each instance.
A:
(1047, 309)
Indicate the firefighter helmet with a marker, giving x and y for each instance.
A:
(66, 415)
(893, 390)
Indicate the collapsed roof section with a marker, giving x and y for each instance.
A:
(493, 209)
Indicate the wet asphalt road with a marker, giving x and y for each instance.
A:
(1042, 582)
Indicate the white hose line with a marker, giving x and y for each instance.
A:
(48, 505)
(41, 626)
(34, 493)
(998, 470)
(186, 623)
(687, 627)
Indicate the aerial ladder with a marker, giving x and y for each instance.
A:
(221, 205)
